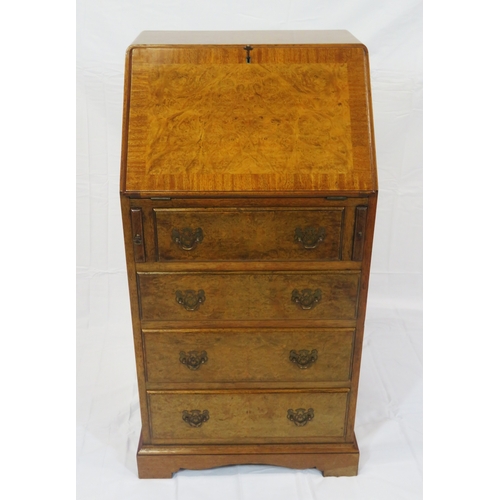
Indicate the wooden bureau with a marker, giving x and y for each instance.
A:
(248, 191)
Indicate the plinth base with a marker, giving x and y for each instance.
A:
(162, 461)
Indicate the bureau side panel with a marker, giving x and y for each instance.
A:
(360, 323)
(134, 307)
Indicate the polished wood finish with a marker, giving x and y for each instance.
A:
(270, 37)
(200, 120)
(246, 229)
(250, 234)
(248, 191)
(247, 417)
(163, 461)
(248, 355)
(258, 296)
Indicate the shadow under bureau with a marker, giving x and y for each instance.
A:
(248, 192)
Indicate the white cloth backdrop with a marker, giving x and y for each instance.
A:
(389, 414)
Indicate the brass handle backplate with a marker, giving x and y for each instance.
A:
(306, 299)
(193, 359)
(190, 299)
(304, 359)
(310, 237)
(195, 418)
(301, 416)
(187, 238)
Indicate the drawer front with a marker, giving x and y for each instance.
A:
(248, 355)
(233, 417)
(242, 296)
(249, 234)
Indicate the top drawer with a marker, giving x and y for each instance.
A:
(249, 234)
(191, 231)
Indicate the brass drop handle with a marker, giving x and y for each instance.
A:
(137, 239)
(303, 359)
(187, 238)
(195, 418)
(310, 237)
(193, 359)
(306, 299)
(301, 416)
(190, 299)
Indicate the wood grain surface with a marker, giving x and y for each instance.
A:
(248, 188)
(248, 355)
(254, 296)
(200, 119)
(247, 417)
(265, 118)
(333, 459)
(251, 234)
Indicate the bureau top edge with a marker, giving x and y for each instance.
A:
(266, 37)
(177, 195)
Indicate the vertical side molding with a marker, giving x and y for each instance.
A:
(359, 233)
(137, 234)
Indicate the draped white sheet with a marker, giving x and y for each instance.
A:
(389, 414)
